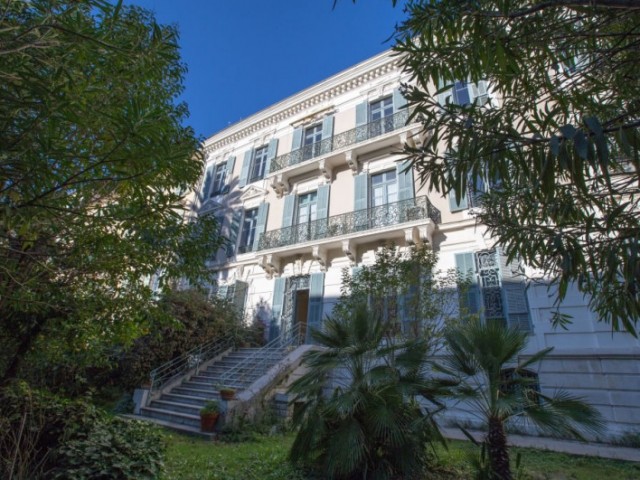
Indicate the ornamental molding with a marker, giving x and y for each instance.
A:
(312, 97)
(253, 192)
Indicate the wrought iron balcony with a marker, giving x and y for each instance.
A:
(381, 216)
(344, 139)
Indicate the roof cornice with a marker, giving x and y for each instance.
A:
(345, 81)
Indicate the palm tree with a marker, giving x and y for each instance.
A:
(485, 359)
(360, 416)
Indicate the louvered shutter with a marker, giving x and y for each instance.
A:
(327, 135)
(316, 304)
(239, 297)
(469, 300)
(277, 303)
(246, 166)
(231, 161)
(261, 224)
(405, 180)
(234, 229)
(362, 117)
(206, 185)
(514, 293)
(399, 102)
(454, 206)
(272, 150)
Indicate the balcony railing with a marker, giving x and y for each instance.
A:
(344, 139)
(366, 219)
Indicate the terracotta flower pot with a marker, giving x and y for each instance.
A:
(227, 394)
(208, 421)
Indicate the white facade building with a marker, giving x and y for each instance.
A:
(314, 184)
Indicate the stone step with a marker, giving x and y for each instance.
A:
(178, 427)
(176, 407)
(195, 392)
(187, 399)
(171, 416)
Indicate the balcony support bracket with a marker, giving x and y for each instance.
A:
(280, 185)
(270, 265)
(352, 161)
(419, 235)
(349, 250)
(320, 254)
(325, 170)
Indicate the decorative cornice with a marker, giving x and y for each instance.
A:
(320, 93)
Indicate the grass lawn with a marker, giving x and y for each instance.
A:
(266, 459)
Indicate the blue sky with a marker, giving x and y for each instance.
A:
(244, 55)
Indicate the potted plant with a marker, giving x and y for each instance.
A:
(209, 415)
(227, 393)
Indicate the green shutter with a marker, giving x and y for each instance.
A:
(327, 133)
(361, 187)
(405, 180)
(234, 229)
(297, 139)
(272, 150)
(287, 214)
(399, 102)
(465, 264)
(206, 185)
(278, 300)
(316, 292)
(246, 165)
(261, 224)
(514, 294)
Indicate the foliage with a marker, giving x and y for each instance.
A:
(265, 458)
(94, 166)
(553, 145)
(186, 320)
(405, 288)
(484, 359)
(211, 406)
(361, 417)
(112, 448)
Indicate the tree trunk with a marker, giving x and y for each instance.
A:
(498, 450)
(26, 341)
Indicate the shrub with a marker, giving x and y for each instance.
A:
(112, 449)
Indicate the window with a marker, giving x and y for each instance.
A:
(496, 289)
(380, 117)
(384, 188)
(219, 179)
(258, 164)
(311, 141)
(307, 207)
(464, 93)
(248, 230)
(460, 92)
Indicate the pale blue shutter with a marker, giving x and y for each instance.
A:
(322, 202)
(231, 161)
(405, 180)
(246, 166)
(316, 292)
(399, 102)
(261, 224)
(454, 206)
(239, 295)
(271, 154)
(362, 117)
(465, 264)
(327, 134)
(297, 139)
(514, 293)
(287, 214)
(277, 305)
(206, 185)
(222, 292)
(234, 229)
(361, 184)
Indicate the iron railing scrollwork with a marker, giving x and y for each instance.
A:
(360, 220)
(344, 139)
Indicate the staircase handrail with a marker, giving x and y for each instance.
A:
(194, 358)
(249, 365)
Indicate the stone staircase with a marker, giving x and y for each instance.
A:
(178, 406)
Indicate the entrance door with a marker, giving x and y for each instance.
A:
(301, 309)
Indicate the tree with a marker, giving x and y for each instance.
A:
(552, 153)
(94, 167)
(484, 358)
(360, 416)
